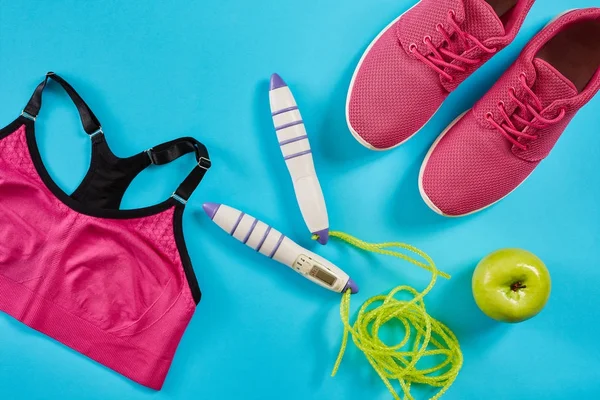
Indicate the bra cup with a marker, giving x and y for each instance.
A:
(114, 276)
(19, 238)
(22, 204)
(163, 326)
(163, 304)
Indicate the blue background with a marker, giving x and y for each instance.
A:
(153, 71)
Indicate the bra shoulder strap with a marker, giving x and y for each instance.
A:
(109, 176)
(97, 189)
(90, 123)
(170, 151)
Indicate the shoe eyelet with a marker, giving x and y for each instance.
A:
(489, 116)
(501, 104)
(412, 47)
(512, 91)
(523, 75)
(439, 27)
(451, 13)
(427, 38)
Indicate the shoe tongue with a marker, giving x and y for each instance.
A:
(550, 85)
(481, 20)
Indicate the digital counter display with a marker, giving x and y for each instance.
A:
(323, 276)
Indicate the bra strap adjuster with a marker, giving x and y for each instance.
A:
(204, 163)
(28, 116)
(179, 198)
(97, 132)
(149, 154)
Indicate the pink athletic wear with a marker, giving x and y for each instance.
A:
(494, 147)
(416, 62)
(115, 285)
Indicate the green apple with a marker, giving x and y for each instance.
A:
(511, 285)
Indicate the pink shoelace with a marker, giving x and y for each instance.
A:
(462, 40)
(509, 129)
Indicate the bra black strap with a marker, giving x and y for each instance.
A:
(170, 151)
(91, 125)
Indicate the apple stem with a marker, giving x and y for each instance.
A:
(516, 286)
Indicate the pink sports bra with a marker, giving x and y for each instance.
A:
(115, 285)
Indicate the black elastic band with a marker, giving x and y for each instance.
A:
(90, 123)
(170, 151)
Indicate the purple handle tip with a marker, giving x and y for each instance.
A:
(323, 236)
(211, 209)
(352, 286)
(277, 82)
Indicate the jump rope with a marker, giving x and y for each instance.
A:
(429, 336)
(424, 338)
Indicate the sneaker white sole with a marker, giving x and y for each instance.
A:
(354, 133)
(426, 199)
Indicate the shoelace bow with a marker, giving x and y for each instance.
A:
(509, 129)
(435, 59)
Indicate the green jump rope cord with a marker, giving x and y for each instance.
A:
(429, 336)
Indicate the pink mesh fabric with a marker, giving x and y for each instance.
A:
(112, 289)
(421, 20)
(470, 168)
(393, 94)
(473, 165)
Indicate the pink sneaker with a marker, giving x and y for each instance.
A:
(411, 67)
(490, 150)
